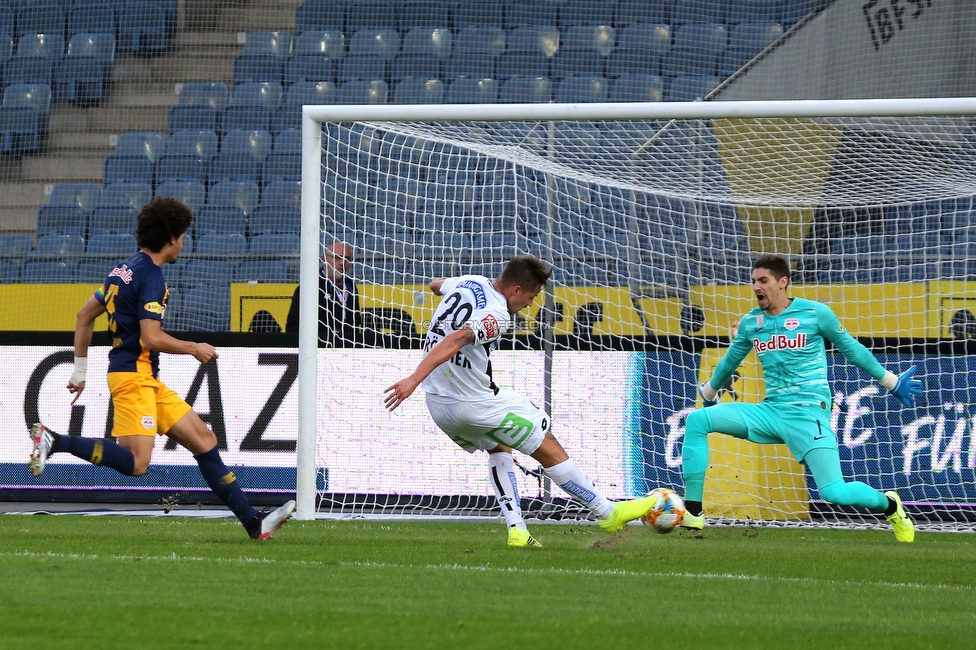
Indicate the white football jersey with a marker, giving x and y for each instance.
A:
(469, 301)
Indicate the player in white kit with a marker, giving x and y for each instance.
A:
(478, 415)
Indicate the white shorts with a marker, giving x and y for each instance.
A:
(507, 418)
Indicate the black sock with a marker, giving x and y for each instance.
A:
(694, 508)
(224, 484)
(97, 451)
(892, 507)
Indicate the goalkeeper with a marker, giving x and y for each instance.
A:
(478, 415)
(788, 336)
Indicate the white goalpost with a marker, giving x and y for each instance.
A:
(650, 214)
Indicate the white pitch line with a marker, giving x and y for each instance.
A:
(494, 569)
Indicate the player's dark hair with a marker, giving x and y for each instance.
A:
(775, 264)
(525, 271)
(160, 221)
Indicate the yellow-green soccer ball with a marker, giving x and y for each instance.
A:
(667, 512)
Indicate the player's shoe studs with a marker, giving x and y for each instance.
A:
(43, 441)
(624, 511)
(521, 538)
(693, 522)
(272, 521)
(900, 523)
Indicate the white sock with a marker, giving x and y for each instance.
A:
(567, 476)
(501, 471)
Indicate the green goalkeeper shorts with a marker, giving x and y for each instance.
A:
(799, 427)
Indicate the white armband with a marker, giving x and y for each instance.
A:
(708, 392)
(81, 368)
(889, 381)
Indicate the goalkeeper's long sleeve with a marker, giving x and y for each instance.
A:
(851, 348)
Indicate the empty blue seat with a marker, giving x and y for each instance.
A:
(206, 308)
(257, 67)
(416, 66)
(230, 193)
(62, 220)
(142, 29)
(697, 11)
(470, 64)
(568, 63)
(521, 13)
(697, 47)
(49, 46)
(602, 38)
(134, 195)
(119, 168)
(268, 270)
(363, 92)
(123, 244)
(792, 11)
(652, 38)
(205, 93)
(202, 144)
(92, 19)
(282, 193)
(472, 91)
(522, 64)
(478, 13)
(246, 118)
(320, 15)
(362, 67)
(526, 90)
(15, 244)
(688, 88)
(380, 42)
(28, 70)
(481, 39)
(190, 193)
(331, 44)
(534, 39)
(36, 96)
(100, 46)
(216, 243)
(282, 167)
(44, 271)
(583, 89)
(60, 244)
(288, 141)
(254, 145)
(426, 40)
(416, 14)
(234, 167)
(112, 219)
(745, 42)
(7, 24)
(181, 167)
(739, 11)
(370, 14)
(274, 244)
(281, 219)
(79, 80)
(83, 195)
(259, 93)
(586, 12)
(184, 117)
(94, 270)
(311, 92)
(40, 18)
(637, 88)
(287, 117)
(304, 68)
(419, 91)
(641, 11)
(219, 219)
(150, 144)
(278, 43)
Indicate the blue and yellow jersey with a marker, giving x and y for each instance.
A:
(790, 346)
(135, 290)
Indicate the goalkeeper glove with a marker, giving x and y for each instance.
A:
(907, 387)
(705, 390)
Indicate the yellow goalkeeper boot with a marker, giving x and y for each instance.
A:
(624, 511)
(521, 538)
(900, 523)
(693, 522)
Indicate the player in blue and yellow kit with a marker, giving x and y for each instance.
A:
(134, 296)
(788, 337)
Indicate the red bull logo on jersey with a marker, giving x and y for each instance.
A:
(123, 272)
(781, 342)
(791, 323)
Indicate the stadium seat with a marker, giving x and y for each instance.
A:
(745, 42)
(363, 92)
(28, 70)
(100, 46)
(181, 167)
(282, 193)
(424, 14)
(274, 244)
(257, 67)
(183, 117)
(150, 144)
(220, 244)
(61, 220)
(190, 193)
(277, 43)
(119, 168)
(92, 19)
(254, 145)
(688, 88)
(415, 66)
(331, 44)
(522, 64)
(637, 88)
(478, 13)
(569, 63)
(586, 12)
(472, 91)
(8, 24)
(142, 29)
(470, 64)
(697, 47)
(79, 80)
(582, 89)
(48, 46)
(19, 130)
(134, 195)
(83, 195)
(205, 93)
(287, 117)
(280, 219)
(44, 271)
(206, 308)
(428, 40)
(526, 90)
(697, 11)
(362, 67)
(532, 13)
(371, 14)
(651, 38)
(219, 219)
(15, 244)
(481, 39)
(534, 39)
(379, 42)
(123, 244)
(245, 118)
(792, 11)
(60, 244)
(288, 141)
(112, 219)
(36, 96)
(255, 93)
(601, 38)
(310, 92)
(40, 18)
(281, 270)
(234, 167)
(304, 68)
(419, 91)
(202, 144)
(740, 11)
(231, 193)
(282, 167)
(313, 15)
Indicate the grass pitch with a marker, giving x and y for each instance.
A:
(87, 582)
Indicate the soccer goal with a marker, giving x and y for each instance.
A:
(650, 215)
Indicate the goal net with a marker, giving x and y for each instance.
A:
(651, 215)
